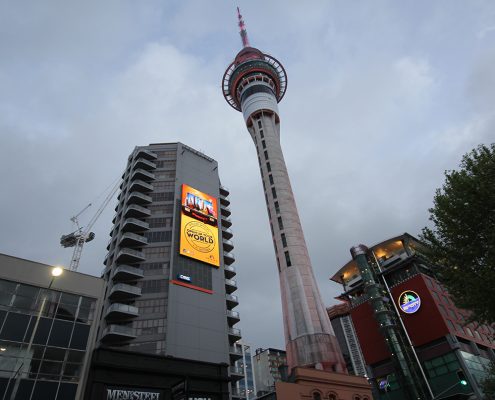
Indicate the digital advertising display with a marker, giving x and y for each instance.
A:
(409, 302)
(199, 226)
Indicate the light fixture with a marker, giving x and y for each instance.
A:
(57, 271)
(3, 349)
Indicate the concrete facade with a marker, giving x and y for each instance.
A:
(313, 384)
(171, 305)
(254, 83)
(266, 363)
(60, 317)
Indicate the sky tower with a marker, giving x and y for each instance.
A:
(254, 83)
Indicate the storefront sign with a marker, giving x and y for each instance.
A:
(409, 302)
(131, 394)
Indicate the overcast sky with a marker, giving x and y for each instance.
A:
(383, 96)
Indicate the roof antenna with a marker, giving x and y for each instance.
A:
(242, 30)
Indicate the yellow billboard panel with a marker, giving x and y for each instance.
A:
(199, 226)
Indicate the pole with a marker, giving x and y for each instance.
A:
(405, 330)
(30, 345)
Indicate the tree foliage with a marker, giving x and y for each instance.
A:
(488, 384)
(462, 240)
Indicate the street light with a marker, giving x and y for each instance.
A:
(55, 272)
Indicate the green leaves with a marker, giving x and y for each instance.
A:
(462, 240)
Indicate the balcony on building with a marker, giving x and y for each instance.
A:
(142, 163)
(230, 271)
(149, 155)
(127, 273)
(233, 317)
(228, 245)
(224, 201)
(113, 333)
(234, 335)
(123, 291)
(129, 239)
(232, 301)
(118, 311)
(140, 186)
(238, 394)
(126, 255)
(230, 286)
(224, 191)
(225, 210)
(138, 198)
(135, 210)
(143, 175)
(227, 233)
(235, 353)
(226, 222)
(134, 225)
(228, 258)
(236, 373)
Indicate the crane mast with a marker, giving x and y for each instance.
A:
(81, 235)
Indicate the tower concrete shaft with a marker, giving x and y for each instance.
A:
(254, 83)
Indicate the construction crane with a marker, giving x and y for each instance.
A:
(83, 235)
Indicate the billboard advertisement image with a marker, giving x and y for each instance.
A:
(199, 226)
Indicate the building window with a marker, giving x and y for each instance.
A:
(280, 223)
(261, 134)
(270, 177)
(159, 236)
(263, 143)
(165, 154)
(287, 259)
(316, 396)
(278, 264)
(266, 155)
(259, 124)
(284, 240)
(274, 193)
(162, 196)
(163, 185)
(271, 228)
(277, 208)
(268, 167)
(165, 164)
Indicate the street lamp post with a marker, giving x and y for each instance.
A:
(55, 272)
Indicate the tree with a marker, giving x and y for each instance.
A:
(462, 240)
(488, 384)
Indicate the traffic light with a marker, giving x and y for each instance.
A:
(462, 377)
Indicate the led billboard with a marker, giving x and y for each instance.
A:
(199, 226)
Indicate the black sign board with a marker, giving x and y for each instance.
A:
(179, 390)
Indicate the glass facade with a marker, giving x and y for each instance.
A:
(43, 341)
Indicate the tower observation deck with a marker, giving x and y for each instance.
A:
(254, 83)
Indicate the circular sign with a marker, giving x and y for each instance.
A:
(199, 236)
(409, 302)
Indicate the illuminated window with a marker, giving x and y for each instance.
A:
(287, 259)
(284, 240)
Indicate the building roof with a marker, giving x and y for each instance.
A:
(351, 269)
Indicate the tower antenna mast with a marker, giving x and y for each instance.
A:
(242, 30)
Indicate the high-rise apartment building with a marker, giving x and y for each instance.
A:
(343, 327)
(267, 366)
(169, 286)
(245, 387)
(254, 83)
